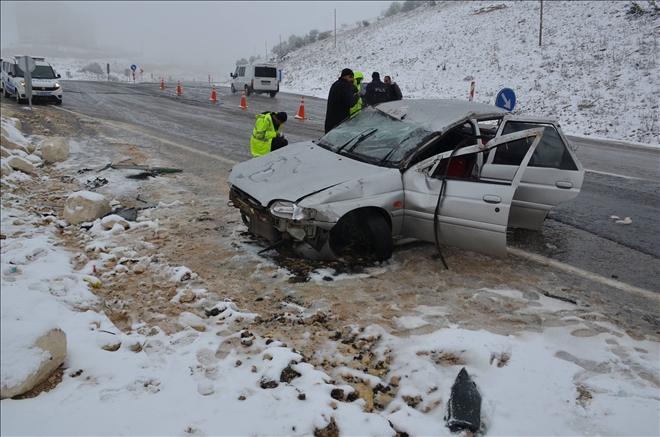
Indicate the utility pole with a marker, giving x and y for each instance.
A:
(335, 28)
(541, 24)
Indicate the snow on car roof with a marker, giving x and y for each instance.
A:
(439, 114)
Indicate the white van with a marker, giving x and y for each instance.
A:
(45, 83)
(260, 79)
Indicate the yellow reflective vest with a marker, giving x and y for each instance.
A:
(355, 109)
(263, 134)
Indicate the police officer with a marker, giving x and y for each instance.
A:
(266, 136)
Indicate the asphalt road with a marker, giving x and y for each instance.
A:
(621, 180)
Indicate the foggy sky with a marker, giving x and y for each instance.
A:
(212, 33)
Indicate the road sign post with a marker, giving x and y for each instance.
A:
(27, 64)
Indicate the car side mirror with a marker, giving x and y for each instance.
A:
(9, 73)
(59, 76)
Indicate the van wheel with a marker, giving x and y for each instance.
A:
(247, 91)
(272, 94)
(365, 233)
(7, 95)
(233, 89)
(18, 98)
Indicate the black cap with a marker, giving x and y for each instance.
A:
(281, 116)
(346, 72)
(375, 75)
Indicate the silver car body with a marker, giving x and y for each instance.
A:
(305, 189)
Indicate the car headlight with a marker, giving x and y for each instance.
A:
(23, 83)
(291, 211)
(57, 84)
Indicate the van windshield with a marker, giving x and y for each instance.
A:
(265, 72)
(41, 72)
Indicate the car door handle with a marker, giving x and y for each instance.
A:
(489, 198)
(563, 184)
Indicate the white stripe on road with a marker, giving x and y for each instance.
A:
(585, 274)
(619, 175)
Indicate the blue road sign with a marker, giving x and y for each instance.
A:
(133, 67)
(506, 99)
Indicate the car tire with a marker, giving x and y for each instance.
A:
(247, 91)
(365, 233)
(233, 88)
(58, 102)
(7, 95)
(272, 95)
(246, 220)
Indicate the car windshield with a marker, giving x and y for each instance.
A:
(41, 72)
(375, 137)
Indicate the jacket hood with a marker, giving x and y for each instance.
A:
(358, 75)
(295, 172)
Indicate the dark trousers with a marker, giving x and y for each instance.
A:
(278, 143)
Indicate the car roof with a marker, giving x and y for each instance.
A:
(439, 114)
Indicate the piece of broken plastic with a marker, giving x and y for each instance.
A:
(464, 406)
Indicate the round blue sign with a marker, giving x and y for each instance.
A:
(133, 67)
(506, 99)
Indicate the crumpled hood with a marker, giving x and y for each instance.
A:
(296, 171)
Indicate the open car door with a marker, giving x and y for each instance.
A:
(553, 175)
(446, 196)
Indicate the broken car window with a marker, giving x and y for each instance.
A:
(387, 143)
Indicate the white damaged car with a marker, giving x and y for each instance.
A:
(452, 172)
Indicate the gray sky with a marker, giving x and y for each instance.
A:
(217, 33)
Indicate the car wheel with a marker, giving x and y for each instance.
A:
(18, 98)
(58, 102)
(272, 94)
(365, 233)
(247, 91)
(7, 95)
(233, 88)
(246, 220)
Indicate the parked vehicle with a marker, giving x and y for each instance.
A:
(260, 79)
(45, 83)
(446, 171)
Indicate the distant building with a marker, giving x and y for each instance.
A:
(53, 24)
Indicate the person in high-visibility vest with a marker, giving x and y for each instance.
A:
(357, 81)
(266, 136)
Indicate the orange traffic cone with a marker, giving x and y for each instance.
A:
(243, 104)
(162, 83)
(301, 111)
(178, 88)
(213, 97)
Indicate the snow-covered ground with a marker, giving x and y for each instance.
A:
(582, 376)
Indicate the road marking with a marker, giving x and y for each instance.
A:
(585, 274)
(139, 131)
(619, 175)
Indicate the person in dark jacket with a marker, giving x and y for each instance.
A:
(376, 91)
(342, 97)
(393, 89)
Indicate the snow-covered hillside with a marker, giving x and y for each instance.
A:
(596, 70)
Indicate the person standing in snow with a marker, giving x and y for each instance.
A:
(266, 136)
(376, 91)
(393, 90)
(341, 98)
(357, 81)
